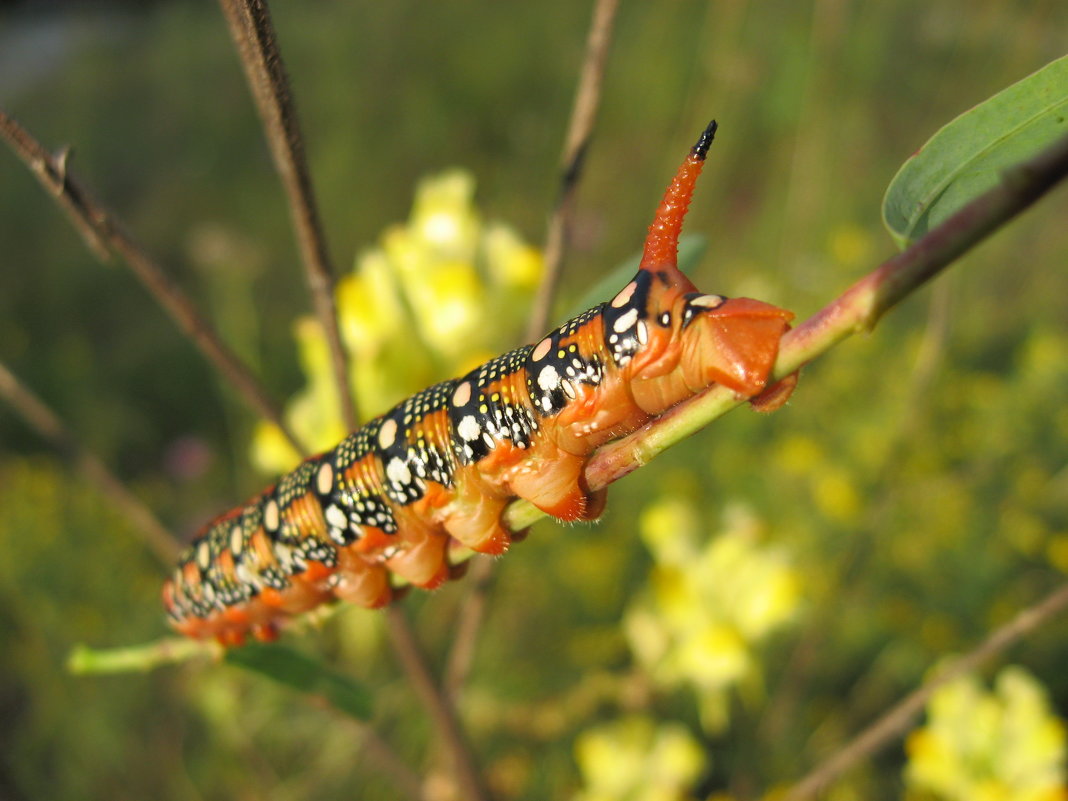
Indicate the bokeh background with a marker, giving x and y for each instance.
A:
(749, 601)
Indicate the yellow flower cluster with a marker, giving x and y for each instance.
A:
(425, 305)
(709, 604)
(983, 746)
(637, 759)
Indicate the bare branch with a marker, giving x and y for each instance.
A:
(896, 721)
(104, 235)
(383, 758)
(45, 422)
(438, 706)
(580, 128)
(256, 42)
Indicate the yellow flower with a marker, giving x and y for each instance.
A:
(634, 759)
(989, 746)
(708, 605)
(424, 306)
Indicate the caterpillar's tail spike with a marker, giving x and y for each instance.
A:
(662, 243)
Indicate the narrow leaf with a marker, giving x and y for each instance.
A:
(691, 249)
(965, 157)
(138, 658)
(301, 672)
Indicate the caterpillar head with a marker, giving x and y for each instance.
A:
(674, 340)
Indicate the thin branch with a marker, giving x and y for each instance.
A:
(256, 41)
(438, 706)
(469, 624)
(257, 44)
(895, 722)
(46, 423)
(383, 758)
(857, 309)
(583, 114)
(104, 235)
(579, 130)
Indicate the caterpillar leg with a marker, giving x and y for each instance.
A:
(422, 559)
(556, 487)
(360, 582)
(474, 519)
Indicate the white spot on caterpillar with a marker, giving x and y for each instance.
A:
(541, 349)
(490, 442)
(707, 301)
(270, 516)
(569, 389)
(324, 481)
(336, 517)
(468, 428)
(624, 295)
(397, 471)
(643, 332)
(462, 394)
(237, 541)
(387, 435)
(624, 322)
(203, 555)
(548, 378)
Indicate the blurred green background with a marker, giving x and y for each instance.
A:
(911, 497)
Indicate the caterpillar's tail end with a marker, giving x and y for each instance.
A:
(661, 252)
(700, 150)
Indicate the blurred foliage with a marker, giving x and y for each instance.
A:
(442, 294)
(912, 496)
(980, 746)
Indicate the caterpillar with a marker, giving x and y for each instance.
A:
(445, 462)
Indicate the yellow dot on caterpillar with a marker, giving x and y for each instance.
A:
(624, 295)
(237, 541)
(462, 394)
(387, 435)
(324, 481)
(541, 349)
(270, 516)
(707, 301)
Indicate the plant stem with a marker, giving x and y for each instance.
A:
(104, 235)
(257, 44)
(898, 718)
(579, 130)
(48, 425)
(857, 309)
(441, 711)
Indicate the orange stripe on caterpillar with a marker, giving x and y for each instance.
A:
(447, 461)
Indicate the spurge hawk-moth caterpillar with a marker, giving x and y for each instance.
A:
(446, 461)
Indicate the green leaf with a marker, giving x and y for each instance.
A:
(691, 248)
(965, 158)
(84, 660)
(301, 672)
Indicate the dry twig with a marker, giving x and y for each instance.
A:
(104, 234)
(257, 44)
(896, 721)
(579, 130)
(45, 422)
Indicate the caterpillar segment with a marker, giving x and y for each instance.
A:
(443, 464)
